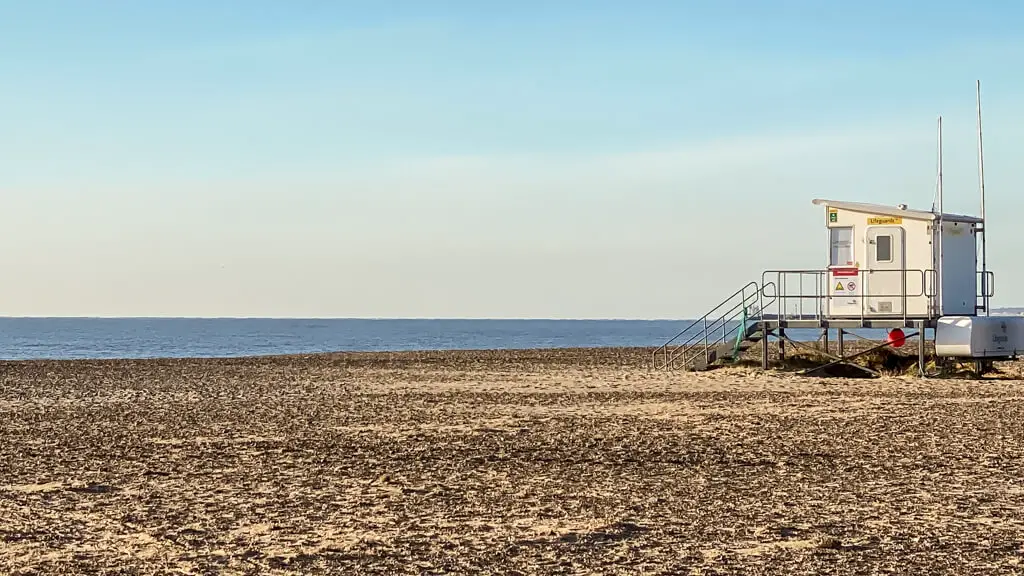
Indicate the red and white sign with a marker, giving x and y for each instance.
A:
(845, 272)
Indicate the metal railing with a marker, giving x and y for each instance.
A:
(810, 304)
(712, 329)
(986, 289)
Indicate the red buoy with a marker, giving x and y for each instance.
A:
(896, 338)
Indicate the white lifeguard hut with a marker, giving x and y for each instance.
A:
(887, 267)
(894, 262)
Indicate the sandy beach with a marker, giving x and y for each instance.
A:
(527, 462)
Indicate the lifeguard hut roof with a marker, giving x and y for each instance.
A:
(895, 211)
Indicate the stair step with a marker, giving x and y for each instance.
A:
(725, 349)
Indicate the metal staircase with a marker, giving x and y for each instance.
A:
(723, 333)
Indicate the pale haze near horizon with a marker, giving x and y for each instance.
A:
(584, 160)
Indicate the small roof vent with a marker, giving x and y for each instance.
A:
(901, 206)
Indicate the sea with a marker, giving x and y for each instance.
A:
(104, 338)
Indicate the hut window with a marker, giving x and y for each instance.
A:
(883, 248)
(842, 246)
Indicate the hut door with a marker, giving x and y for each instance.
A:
(886, 277)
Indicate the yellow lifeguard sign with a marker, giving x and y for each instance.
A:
(885, 221)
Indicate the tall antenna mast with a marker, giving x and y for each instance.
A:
(940, 166)
(939, 223)
(984, 224)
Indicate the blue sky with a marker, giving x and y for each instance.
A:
(468, 159)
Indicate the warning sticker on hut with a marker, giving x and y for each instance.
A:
(845, 287)
(844, 272)
(844, 291)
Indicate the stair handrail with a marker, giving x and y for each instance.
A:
(703, 320)
(741, 308)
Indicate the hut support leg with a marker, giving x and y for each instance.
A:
(824, 339)
(839, 341)
(782, 344)
(764, 347)
(920, 349)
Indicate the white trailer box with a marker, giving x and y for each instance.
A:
(979, 336)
